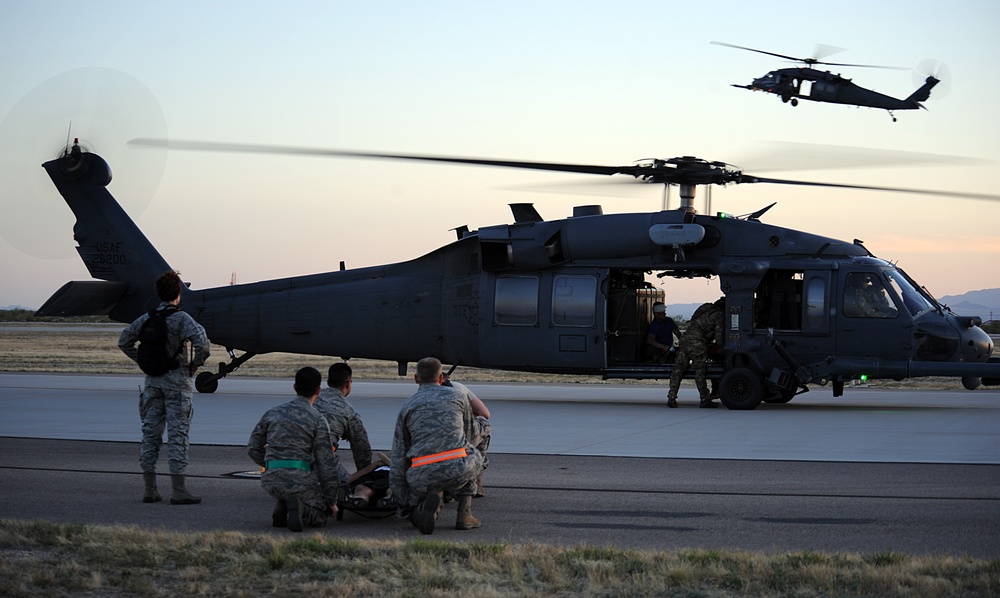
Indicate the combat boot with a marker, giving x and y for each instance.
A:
(180, 495)
(279, 516)
(707, 403)
(426, 513)
(294, 515)
(465, 519)
(151, 494)
(671, 401)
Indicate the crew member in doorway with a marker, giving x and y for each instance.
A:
(660, 338)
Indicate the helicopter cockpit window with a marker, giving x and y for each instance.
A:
(865, 297)
(913, 300)
(516, 301)
(573, 301)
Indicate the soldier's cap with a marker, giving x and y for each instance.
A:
(659, 308)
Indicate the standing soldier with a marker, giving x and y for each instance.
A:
(705, 329)
(345, 423)
(432, 451)
(292, 443)
(166, 397)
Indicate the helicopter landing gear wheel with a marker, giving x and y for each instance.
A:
(795, 102)
(741, 389)
(971, 383)
(206, 383)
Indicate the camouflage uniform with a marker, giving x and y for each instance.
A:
(435, 420)
(481, 436)
(345, 424)
(296, 432)
(705, 328)
(166, 400)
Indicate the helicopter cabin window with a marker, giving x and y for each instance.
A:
(778, 300)
(515, 302)
(816, 304)
(865, 297)
(573, 301)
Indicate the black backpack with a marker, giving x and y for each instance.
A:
(155, 359)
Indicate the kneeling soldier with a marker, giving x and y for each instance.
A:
(292, 443)
(433, 451)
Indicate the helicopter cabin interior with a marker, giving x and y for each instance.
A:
(569, 320)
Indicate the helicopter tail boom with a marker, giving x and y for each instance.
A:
(109, 242)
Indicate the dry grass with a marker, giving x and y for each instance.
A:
(46, 347)
(40, 558)
(93, 349)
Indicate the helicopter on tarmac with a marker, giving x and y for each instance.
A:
(808, 83)
(560, 296)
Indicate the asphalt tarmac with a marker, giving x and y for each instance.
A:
(607, 465)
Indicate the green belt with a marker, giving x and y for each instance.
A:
(289, 464)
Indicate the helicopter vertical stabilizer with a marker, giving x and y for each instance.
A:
(924, 92)
(109, 242)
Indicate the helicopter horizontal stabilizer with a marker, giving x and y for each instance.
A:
(84, 298)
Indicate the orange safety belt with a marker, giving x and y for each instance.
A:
(458, 453)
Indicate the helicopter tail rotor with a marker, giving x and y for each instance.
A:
(937, 69)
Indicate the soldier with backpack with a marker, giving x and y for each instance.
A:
(172, 346)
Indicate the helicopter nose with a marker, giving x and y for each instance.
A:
(975, 344)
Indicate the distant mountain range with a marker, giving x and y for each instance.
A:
(984, 303)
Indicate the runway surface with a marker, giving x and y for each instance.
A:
(913, 472)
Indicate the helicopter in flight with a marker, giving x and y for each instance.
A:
(808, 83)
(566, 296)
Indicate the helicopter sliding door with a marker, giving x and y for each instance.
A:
(545, 322)
(795, 306)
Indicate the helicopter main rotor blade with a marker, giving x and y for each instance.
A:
(686, 170)
(761, 51)
(864, 66)
(249, 148)
(960, 194)
(812, 61)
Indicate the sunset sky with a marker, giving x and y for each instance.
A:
(586, 82)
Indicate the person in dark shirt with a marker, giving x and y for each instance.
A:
(660, 337)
